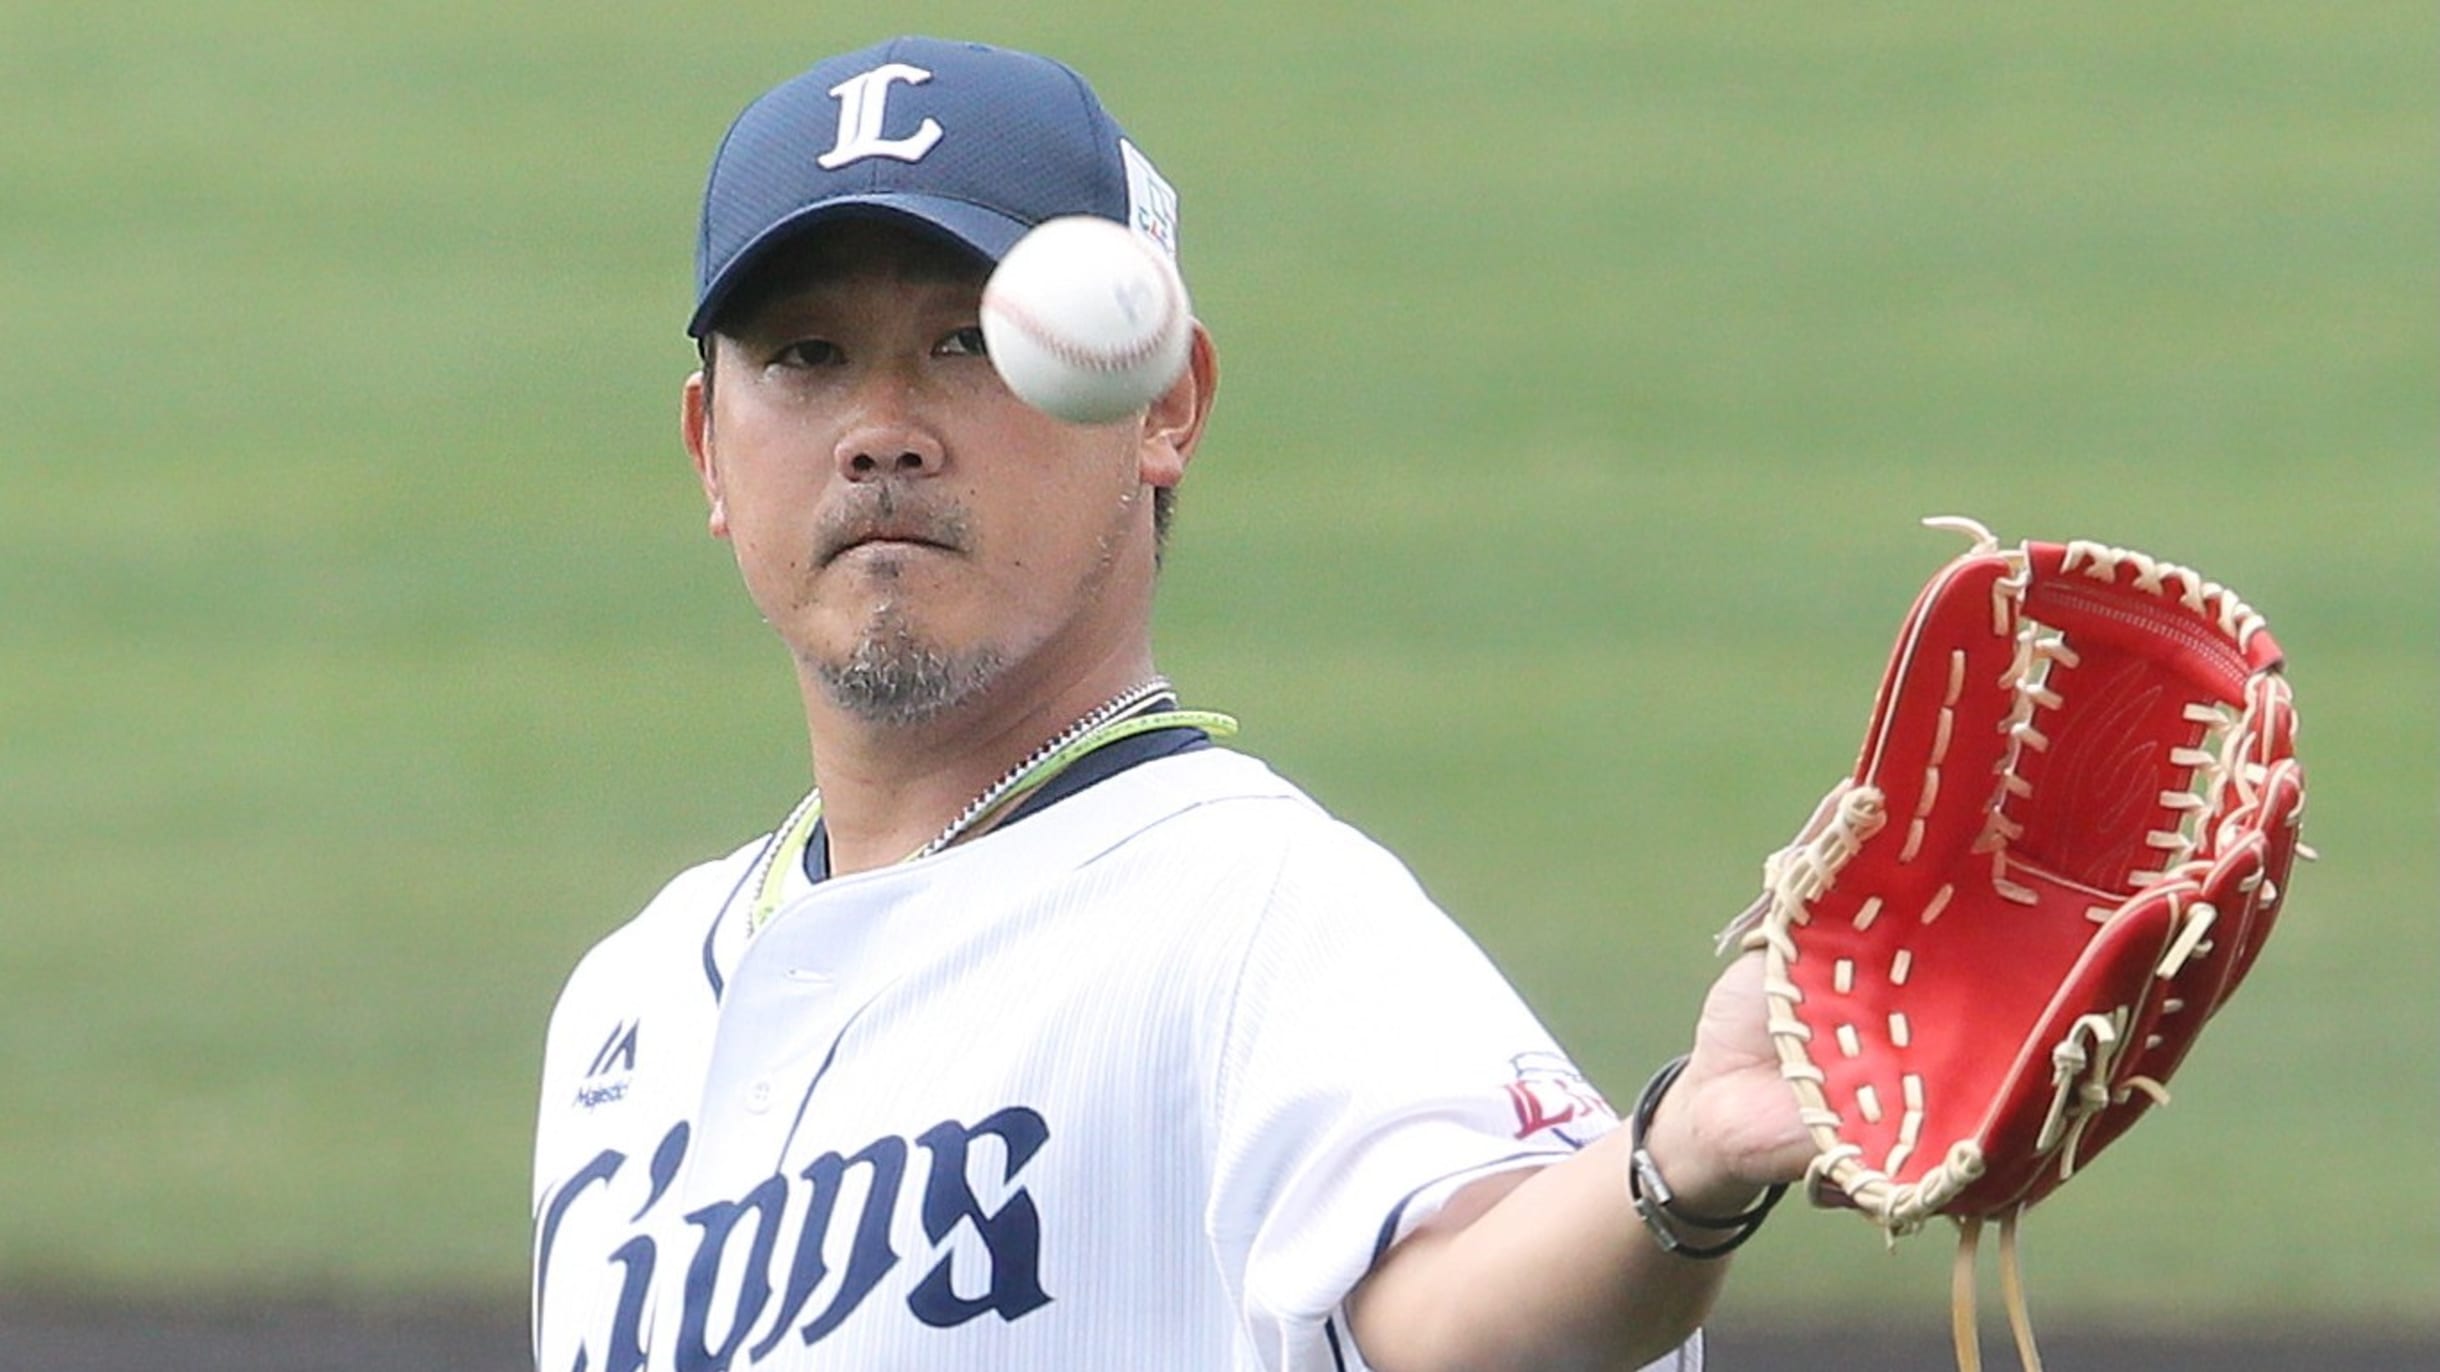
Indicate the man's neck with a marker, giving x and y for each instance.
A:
(889, 790)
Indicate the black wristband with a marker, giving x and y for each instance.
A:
(1657, 1204)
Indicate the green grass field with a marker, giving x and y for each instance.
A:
(362, 658)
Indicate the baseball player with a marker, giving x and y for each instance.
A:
(1049, 1032)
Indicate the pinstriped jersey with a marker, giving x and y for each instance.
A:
(1147, 1081)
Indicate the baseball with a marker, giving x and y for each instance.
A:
(1086, 320)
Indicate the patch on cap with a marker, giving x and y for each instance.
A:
(1152, 203)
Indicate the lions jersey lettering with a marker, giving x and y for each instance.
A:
(1147, 1079)
(740, 1278)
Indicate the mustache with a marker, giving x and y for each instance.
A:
(886, 510)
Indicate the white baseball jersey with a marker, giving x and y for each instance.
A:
(1146, 1080)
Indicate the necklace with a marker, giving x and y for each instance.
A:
(999, 792)
(1114, 719)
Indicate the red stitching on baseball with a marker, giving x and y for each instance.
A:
(1095, 359)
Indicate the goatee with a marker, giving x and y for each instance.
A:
(894, 678)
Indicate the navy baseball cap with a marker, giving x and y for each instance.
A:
(975, 143)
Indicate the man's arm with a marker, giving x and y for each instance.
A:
(1553, 1269)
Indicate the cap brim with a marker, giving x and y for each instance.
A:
(985, 232)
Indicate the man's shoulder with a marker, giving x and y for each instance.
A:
(693, 897)
(676, 921)
(1235, 803)
(1219, 795)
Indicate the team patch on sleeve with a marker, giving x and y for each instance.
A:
(1551, 1096)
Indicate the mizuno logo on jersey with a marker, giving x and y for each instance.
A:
(613, 1068)
(787, 1261)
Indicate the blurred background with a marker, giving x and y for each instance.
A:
(363, 658)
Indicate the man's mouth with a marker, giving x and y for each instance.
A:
(886, 539)
(885, 522)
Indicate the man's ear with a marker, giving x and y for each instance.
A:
(695, 424)
(1174, 423)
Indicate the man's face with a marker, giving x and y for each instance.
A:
(913, 531)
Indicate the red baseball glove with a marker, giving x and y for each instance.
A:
(2066, 839)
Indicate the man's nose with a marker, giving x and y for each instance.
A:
(891, 436)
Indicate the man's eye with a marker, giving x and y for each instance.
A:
(808, 352)
(965, 342)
